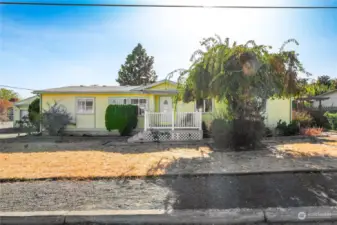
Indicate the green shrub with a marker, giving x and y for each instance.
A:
(237, 134)
(34, 113)
(205, 129)
(319, 120)
(303, 118)
(332, 119)
(221, 133)
(268, 132)
(122, 118)
(285, 129)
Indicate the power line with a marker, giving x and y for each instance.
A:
(6, 86)
(164, 6)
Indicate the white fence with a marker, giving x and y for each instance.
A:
(4, 125)
(172, 120)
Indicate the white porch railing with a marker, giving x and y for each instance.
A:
(172, 120)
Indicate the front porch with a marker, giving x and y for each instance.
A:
(171, 120)
(170, 126)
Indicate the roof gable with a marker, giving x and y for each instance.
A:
(160, 85)
(327, 93)
(25, 101)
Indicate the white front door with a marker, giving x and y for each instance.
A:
(166, 110)
(165, 104)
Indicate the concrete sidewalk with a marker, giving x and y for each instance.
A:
(304, 215)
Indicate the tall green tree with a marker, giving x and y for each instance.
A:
(244, 77)
(8, 94)
(137, 69)
(34, 113)
(317, 87)
(324, 80)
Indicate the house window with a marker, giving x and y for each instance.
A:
(206, 105)
(23, 114)
(118, 101)
(85, 105)
(10, 113)
(142, 106)
(142, 103)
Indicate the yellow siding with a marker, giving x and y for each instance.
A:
(67, 101)
(278, 109)
(85, 121)
(185, 107)
(275, 110)
(140, 124)
(163, 86)
(156, 102)
(152, 103)
(90, 121)
(220, 106)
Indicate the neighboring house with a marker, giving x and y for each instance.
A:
(10, 113)
(6, 109)
(87, 105)
(331, 102)
(21, 108)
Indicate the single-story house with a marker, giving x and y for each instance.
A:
(87, 105)
(21, 108)
(330, 102)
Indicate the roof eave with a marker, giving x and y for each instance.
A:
(84, 92)
(153, 84)
(160, 91)
(326, 93)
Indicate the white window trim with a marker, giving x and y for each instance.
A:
(204, 106)
(128, 101)
(21, 112)
(93, 105)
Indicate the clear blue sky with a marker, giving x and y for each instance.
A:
(44, 47)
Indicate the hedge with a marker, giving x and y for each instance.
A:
(122, 118)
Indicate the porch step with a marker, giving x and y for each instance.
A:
(166, 135)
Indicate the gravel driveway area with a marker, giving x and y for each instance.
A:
(202, 192)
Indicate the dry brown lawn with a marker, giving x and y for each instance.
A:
(89, 164)
(329, 141)
(309, 149)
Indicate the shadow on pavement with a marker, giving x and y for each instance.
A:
(250, 191)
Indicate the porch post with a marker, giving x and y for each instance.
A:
(200, 119)
(145, 120)
(172, 120)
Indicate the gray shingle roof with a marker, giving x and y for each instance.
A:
(88, 89)
(103, 89)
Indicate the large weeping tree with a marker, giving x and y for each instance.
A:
(243, 77)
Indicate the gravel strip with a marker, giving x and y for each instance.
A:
(81, 195)
(203, 192)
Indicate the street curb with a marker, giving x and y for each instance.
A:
(229, 216)
(304, 214)
(173, 175)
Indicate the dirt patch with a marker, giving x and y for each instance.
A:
(23, 138)
(108, 157)
(90, 163)
(309, 149)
